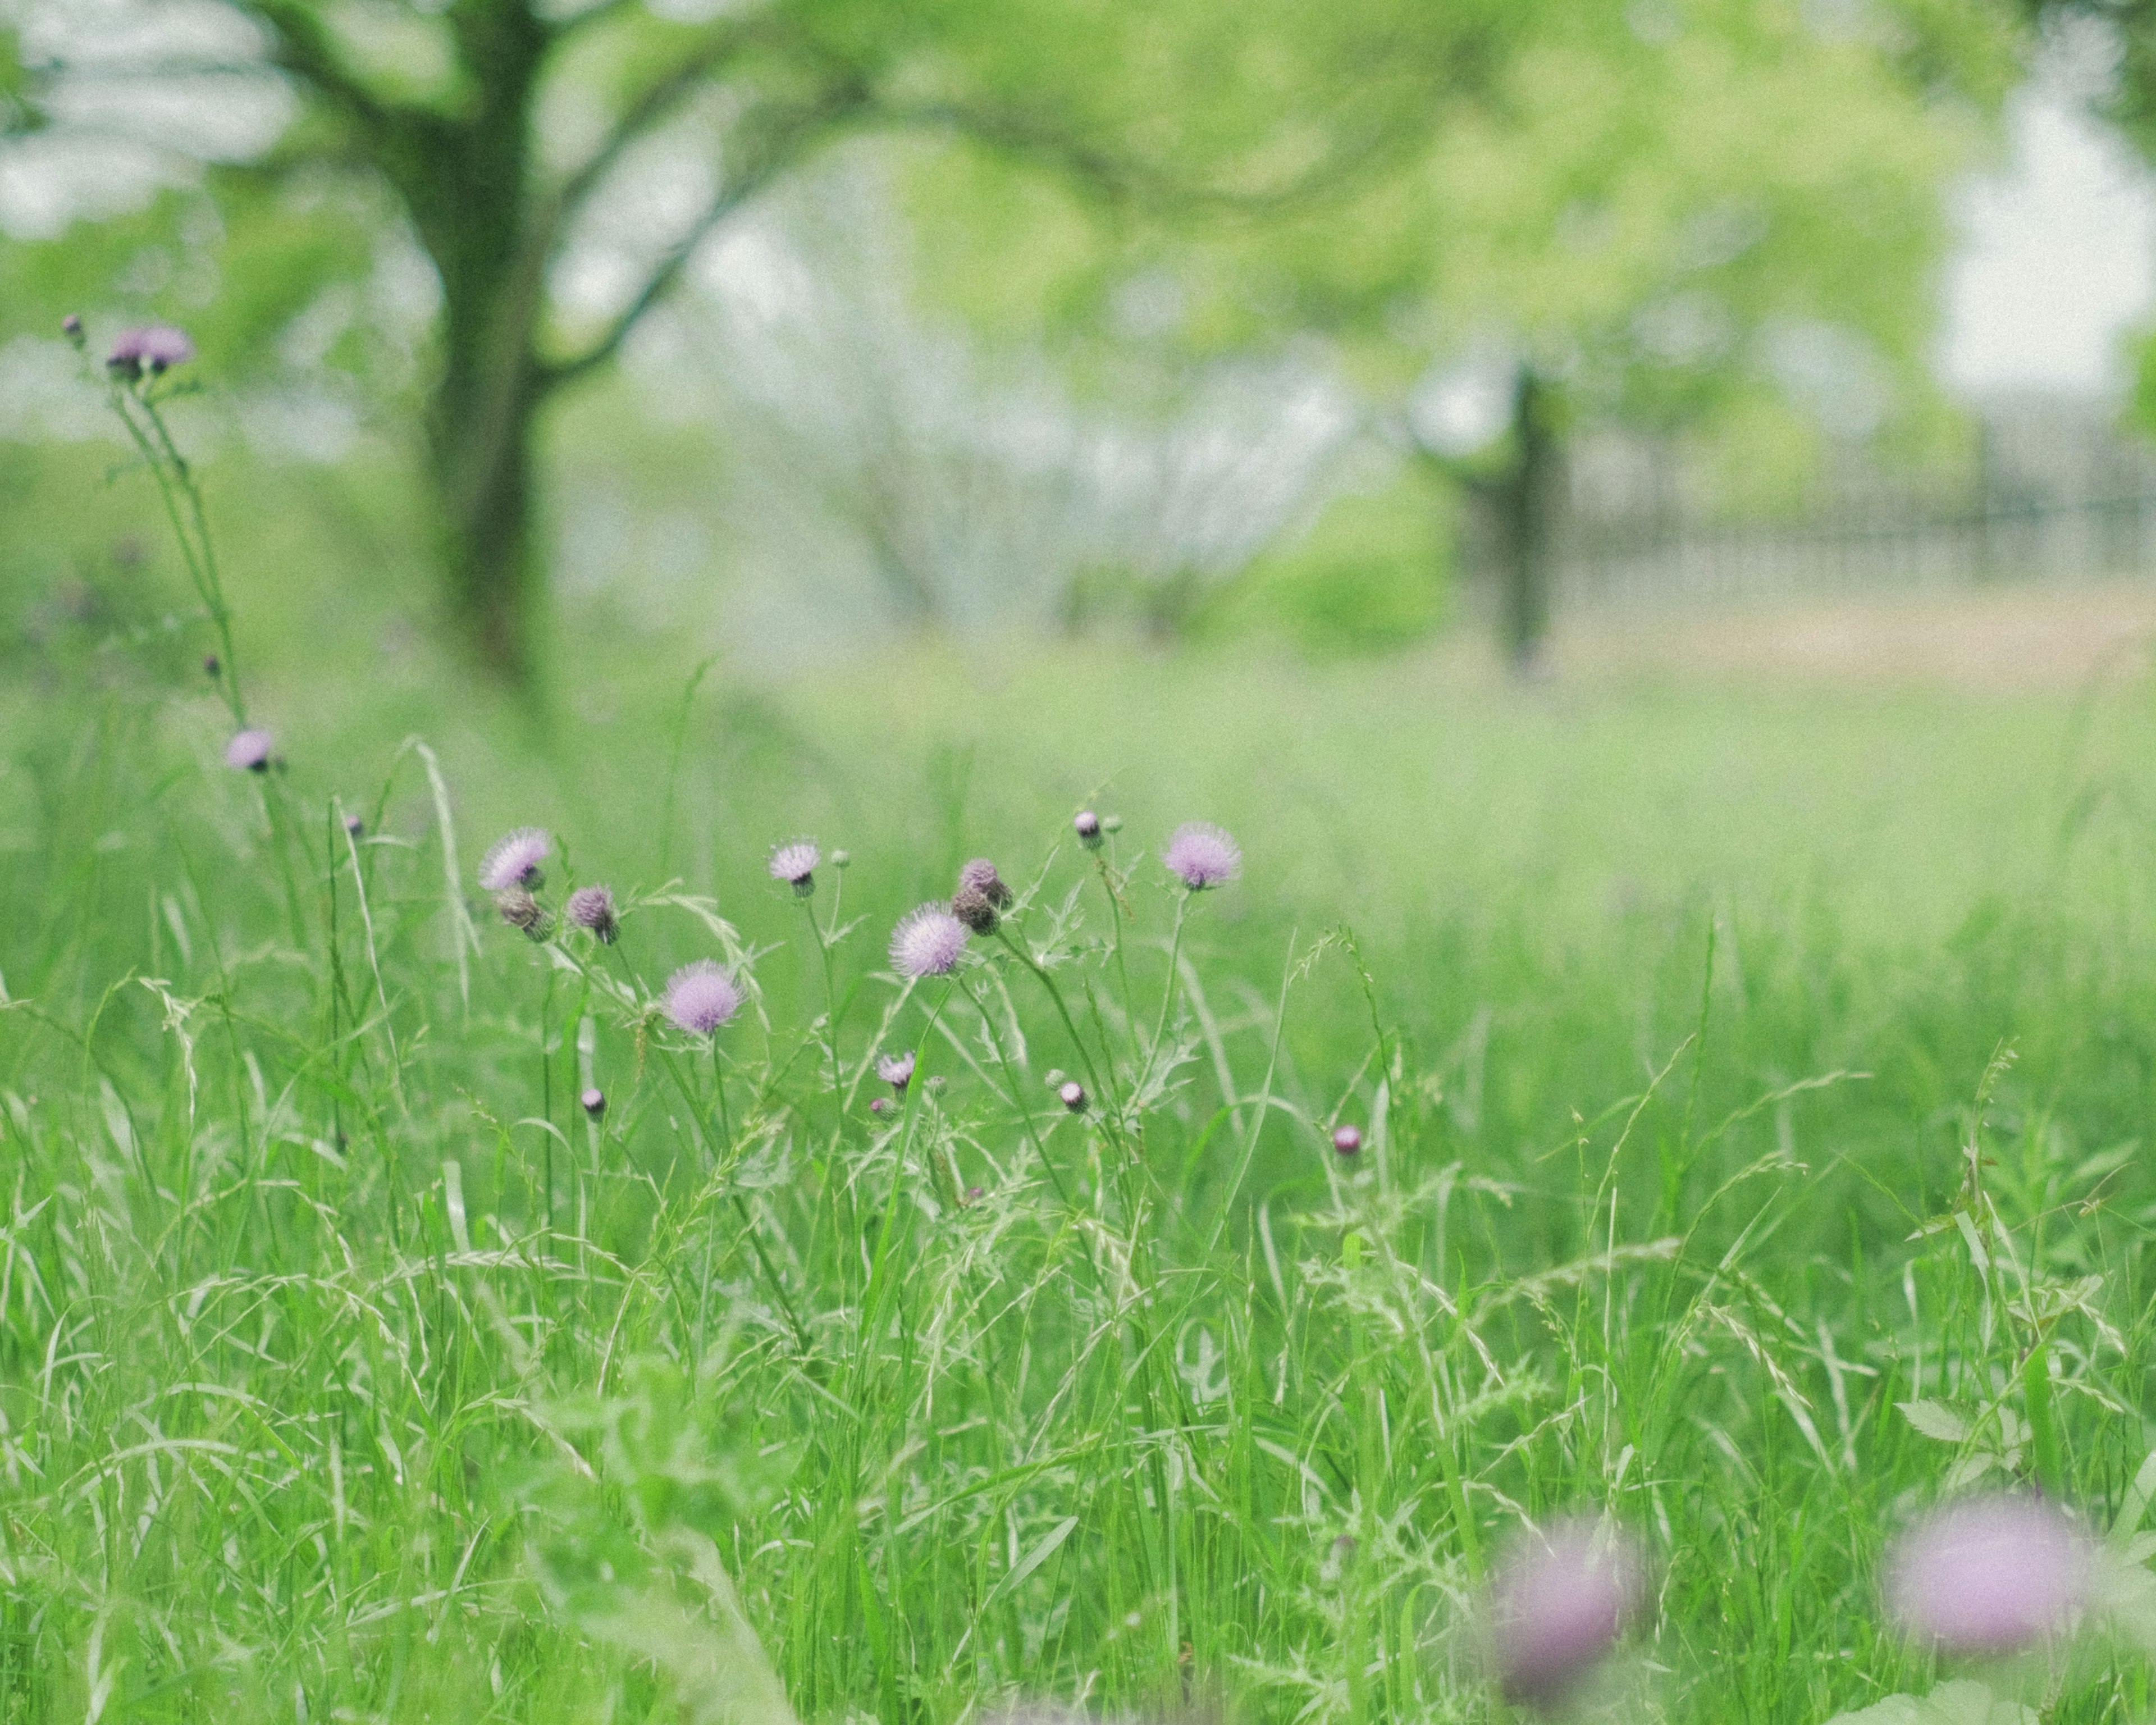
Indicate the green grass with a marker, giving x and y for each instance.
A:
(346, 1370)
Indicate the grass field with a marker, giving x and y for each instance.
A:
(1736, 1062)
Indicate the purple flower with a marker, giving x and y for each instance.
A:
(928, 941)
(71, 328)
(1989, 1575)
(979, 875)
(1087, 825)
(1346, 1139)
(794, 862)
(594, 1101)
(523, 912)
(1073, 1095)
(249, 750)
(897, 1070)
(592, 907)
(879, 1104)
(515, 860)
(700, 996)
(1558, 1601)
(154, 348)
(354, 825)
(1201, 854)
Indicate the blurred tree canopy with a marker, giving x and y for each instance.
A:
(1665, 213)
(559, 164)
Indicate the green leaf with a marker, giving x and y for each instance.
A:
(1960, 1702)
(1936, 1419)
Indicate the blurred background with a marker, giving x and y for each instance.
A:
(550, 351)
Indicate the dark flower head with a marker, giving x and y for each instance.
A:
(1073, 1095)
(147, 351)
(1558, 1601)
(594, 1101)
(1989, 1575)
(514, 859)
(1201, 854)
(928, 942)
(249, 750)
(897, 1070)
(210, 667)
(71, 328)
(592, 907)
(1087, 826)
(354, 825)
(794, 862)
(979, 875)
(1346, 1139)
(975, 909)
(701, 997)
(523, 912)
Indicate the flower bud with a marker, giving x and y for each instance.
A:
(71, 328)
(1073, 1094)
(1087, 825)
(1346, 1139)
(594, 1101)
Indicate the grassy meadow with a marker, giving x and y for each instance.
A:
(1735, 1064)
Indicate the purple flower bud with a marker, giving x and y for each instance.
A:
(1201, 854)
(1346, 1139)
(147, 351)
(250, 750)
(897, 1070)
(1989, 1575)
(1073, 1094)
(879, 1104)
(701, 997)
(928, 942)
(594, 1101)
(71, 328)
(592, 908)
(354, 825)
(524, 913)
(975, 909)
(1558, 1601)
(1087, 824)
(974, 1195)
(794, 862)
(514, 859)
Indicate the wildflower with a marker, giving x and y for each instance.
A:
(879, 1104)
(1201, 854)
(594, 1101)
(1558, 1603)
(523, 912)
(354, 826)
(701, 997)
(1988, 1575)
(250, 750)
(1073, 1095)
(897, 1070)
(148, 351)
(974, 1195)
(71, 328)
(979, 875)
(1087, 825)
(794, 862)
(840, 858)
(592, 907)
(515, 860)
(975, 909)
(1346, 1139)
(928, 940)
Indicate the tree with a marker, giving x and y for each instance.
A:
(456, 110)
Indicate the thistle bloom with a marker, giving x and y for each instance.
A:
(1988, 1575)
(154, 348)
(71, 328)
(354, 825)
(594, 1101)
(897, 1070)
(929, 940)
(250, 750)
(1087, 825)
(592, 907)
(1201, 854)
(879, 1104)
(515, 860)
(1558, 1601)
(794, 862)
(701, 997)
(522, 912)
(1073, 1095)
(979, 875)
(1346, 1139)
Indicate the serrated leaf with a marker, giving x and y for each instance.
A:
(1935, 1420)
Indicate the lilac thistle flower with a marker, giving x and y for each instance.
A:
(1558, 1601)
(1346, 1139)
(879, 1104)
(524, 913)
(929, 940)
(592, 908)
(250, 750)
(981, 897)
(794, 862)
(153, 349)
(1087, 825)
(897, 1070)
(594, 1101)
(1989, 1575)
(71, 328)
(515, 860)
(1201, 854)
(701, 997)
(1072, 1095)
(355, 826)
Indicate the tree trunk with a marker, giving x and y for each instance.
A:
(1525, 503)
(482, 474)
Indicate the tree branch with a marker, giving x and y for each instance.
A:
(301, 47)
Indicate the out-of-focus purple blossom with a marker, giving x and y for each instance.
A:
(71, 328)
(1087, 825)
(794, 862)
(250, 750)
(1346, 1139)
(929, 940)
(354, 825)
(592, 908)
(700, 996)
(594, 1101)
(897, 1070)
(514, 859)
(879, 1104)
(1989, 1575)
(1072, 1094)
(154, 348)
(1558, 1601)
(1201, 854)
